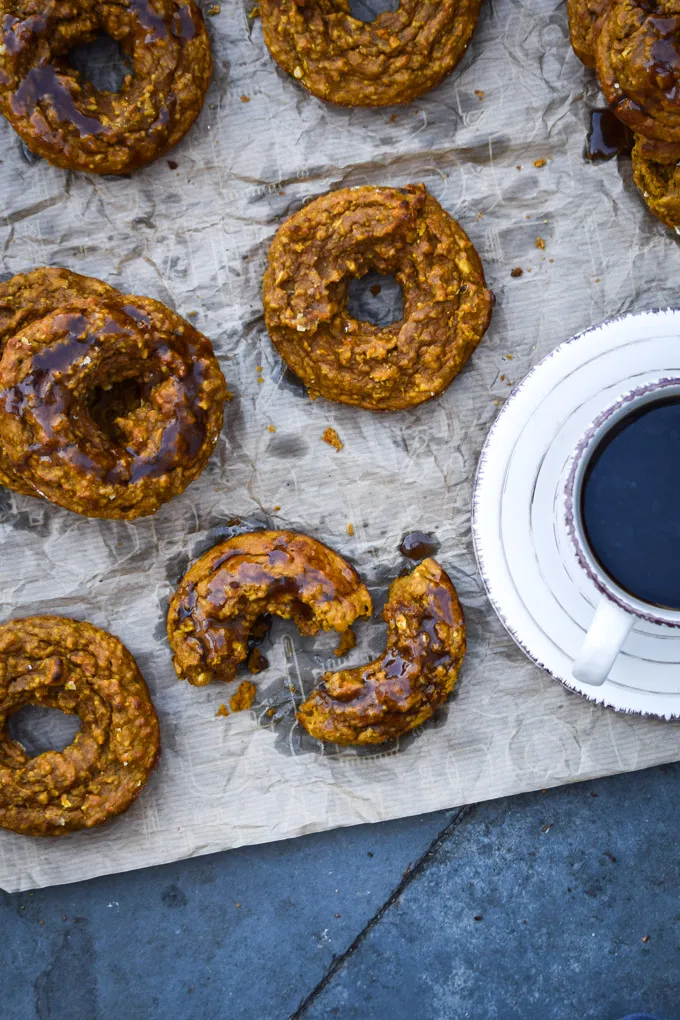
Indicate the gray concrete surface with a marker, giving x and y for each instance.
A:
(562, 905)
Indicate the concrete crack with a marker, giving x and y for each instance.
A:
(412, 872)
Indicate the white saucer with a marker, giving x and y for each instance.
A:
(525, 557)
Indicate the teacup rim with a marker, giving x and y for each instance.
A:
(606, 586)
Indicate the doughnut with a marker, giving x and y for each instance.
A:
(25, 298)
(61, 116)
(658, 152)
(659, 184)
(79, 669)
(414, 676)
(110, 404)
(637, 55)
(344, 234)
(635, 47)
(583, 16)
(225, 593)
(394, 59)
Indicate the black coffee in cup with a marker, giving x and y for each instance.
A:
(630, 503)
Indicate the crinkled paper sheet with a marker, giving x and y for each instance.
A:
(196, 237)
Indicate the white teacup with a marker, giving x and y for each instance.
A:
(618, 610)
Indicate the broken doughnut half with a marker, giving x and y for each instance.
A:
(260, 573)
(417, 672)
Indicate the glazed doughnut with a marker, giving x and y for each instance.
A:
(659, 184)
(637, 55)
(228, 589)
(61, 116)
(658, 152)
(394, 59)
(81, 670)
(25, 298)
(344, 234)
(415, 675)
(110, 404)
(583, 16)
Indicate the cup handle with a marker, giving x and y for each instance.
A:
(609, 629)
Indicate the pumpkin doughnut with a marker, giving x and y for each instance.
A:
(344, 234)
(110, 404)
(59, 663)
(394, 59)
(414, 676)
(637, 56)
(658, 152)
(30, 296)
(659, 184)
(583, 17)
(61, 116)
(228, 589)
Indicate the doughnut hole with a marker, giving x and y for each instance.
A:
(39, 729)
(375, 298)
(369, 10)
(106, 405)
(102, 62)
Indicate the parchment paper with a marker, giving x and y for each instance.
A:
(196, 237)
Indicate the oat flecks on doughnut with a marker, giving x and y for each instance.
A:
(637, 55)
(659, 184)
(61, 116)
(583, 19)
(54, 662)
(110, 404)
(282, 573)
(393, 59)
(656, 151)
(399, 231)
(415, 675)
